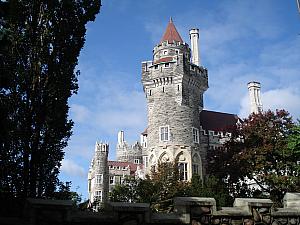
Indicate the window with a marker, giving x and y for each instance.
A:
(98, 162)
(146, 161)
(167, 64)
(136, 161)
(150, 92)
(177, 52)
(98, 195)
(111, 180)
(163, 89)
(156, 67)
(89, 185)
(164, 133)
(165, 52)
(183, 175)
(195, 169)
(99, 178)
(195, 135)
(124, 168)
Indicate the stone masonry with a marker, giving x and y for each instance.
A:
(174, 90)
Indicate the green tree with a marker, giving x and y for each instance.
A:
(258, 151)
(211, 187)
(159, 188)
(40, 44)
(64, 193)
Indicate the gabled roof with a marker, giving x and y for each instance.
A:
(171, 34)
(217, 121)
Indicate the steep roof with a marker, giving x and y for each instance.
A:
(217, 121)
(171, 34)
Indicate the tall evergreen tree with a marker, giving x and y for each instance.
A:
(40, 44)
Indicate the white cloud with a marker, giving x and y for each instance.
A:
(79, 113)
(71, 168)
(287, 99)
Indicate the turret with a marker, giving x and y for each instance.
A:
(255, 99)
(98, 176)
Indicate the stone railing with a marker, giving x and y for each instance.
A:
(187, 210)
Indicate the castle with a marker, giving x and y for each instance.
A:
(174, 82)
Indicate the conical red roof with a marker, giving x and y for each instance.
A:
(171, 34)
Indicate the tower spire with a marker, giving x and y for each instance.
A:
(171, 34)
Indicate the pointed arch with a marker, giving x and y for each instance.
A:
(164, 157)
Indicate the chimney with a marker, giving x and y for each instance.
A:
(120, 137)
(254, 94)
(194, 36)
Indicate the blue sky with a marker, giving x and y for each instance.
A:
(240, 41)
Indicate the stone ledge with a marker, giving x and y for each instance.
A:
(291, 200)
(248, 203)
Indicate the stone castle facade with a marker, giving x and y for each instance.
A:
(179, 128)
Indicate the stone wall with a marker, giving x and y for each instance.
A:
(187, 210)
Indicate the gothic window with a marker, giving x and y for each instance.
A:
(183, 171)
(136, 161)
(164, 133)
(195, 135)
(99, 178)
(111, 180)
(98, 195)
(195, 168)
(98, 162)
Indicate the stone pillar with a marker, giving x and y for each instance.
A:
(194, 36)
(254, 94)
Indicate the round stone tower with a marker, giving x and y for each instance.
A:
(98, 176)
(174, 88)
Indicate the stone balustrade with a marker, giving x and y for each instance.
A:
(187, 210)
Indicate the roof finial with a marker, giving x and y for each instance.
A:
(171, 20)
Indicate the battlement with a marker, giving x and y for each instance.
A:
(101, 147)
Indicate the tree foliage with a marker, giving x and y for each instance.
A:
(211, 187)
(262, 150)
(159, 188)
(64, 192)
(163, 184)
(40, 44)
